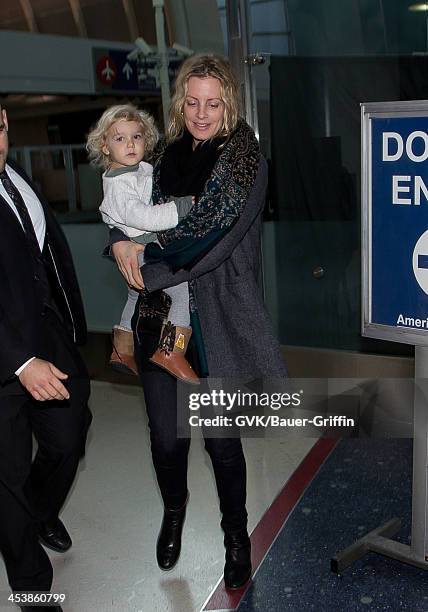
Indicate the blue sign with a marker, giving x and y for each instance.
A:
(115, 72)
(398, 193)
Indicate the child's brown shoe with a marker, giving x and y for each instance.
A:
(170, 355)
(122, 357)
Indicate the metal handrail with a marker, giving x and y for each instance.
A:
(67, 151)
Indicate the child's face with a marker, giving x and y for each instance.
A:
(124, 143)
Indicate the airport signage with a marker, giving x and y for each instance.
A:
(395, 221)
(115, 72)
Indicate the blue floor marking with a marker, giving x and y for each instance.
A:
(363, 484)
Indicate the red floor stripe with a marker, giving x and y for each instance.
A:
(274, 518)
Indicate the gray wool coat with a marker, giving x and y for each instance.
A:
(237, 334)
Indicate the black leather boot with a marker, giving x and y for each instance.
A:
(55, 536)
(237, 569)
(168, 546)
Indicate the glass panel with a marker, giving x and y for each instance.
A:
(63, 174)
(49, 174)
(88, 185)
(343, 54)
(365, 27)
(221, 4)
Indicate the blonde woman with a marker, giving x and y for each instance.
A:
(118, 143)
(213, 155)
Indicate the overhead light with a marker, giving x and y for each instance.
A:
(419, 7)
(43, 98)
(141, 47)
(183, 50)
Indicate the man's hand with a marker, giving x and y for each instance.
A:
(43, 381)
(126, 255)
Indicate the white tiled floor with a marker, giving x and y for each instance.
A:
(114, 513)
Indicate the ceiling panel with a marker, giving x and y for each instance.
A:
(104, 19)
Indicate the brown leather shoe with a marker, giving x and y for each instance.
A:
(170, 355)
(122, 357)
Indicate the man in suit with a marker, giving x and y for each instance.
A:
(44, 385)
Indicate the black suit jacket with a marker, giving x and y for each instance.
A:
(20, 304)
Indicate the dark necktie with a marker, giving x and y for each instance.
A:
(22, 209)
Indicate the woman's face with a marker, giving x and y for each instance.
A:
(203, 108)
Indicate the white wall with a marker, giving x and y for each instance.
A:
(41, 63)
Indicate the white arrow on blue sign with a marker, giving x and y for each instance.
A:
(127, 70)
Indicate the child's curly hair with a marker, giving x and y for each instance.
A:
(128, 112)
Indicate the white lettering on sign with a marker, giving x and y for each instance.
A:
(419, 188)
(397, 189)
(393, 146)
(406, 190)
(411, 321)
(386, 155)
(409, 143)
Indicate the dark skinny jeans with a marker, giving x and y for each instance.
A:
(170, 454)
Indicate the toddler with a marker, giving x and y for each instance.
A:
(123, 136)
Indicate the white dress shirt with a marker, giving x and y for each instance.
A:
(32, 203)
(35, 211)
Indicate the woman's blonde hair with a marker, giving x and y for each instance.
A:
(204, 65)
(127, 112)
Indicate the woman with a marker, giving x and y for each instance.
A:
(214, 156)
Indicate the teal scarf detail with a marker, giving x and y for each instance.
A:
(217, 209)
(219, 206)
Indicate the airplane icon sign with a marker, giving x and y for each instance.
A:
(108, 73)
(113, 71)
(106, 70)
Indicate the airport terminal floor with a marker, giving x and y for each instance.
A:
(307, 499)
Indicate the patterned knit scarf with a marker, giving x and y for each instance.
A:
(226, 191)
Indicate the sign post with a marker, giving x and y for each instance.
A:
(395, 287)
(163, 58)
